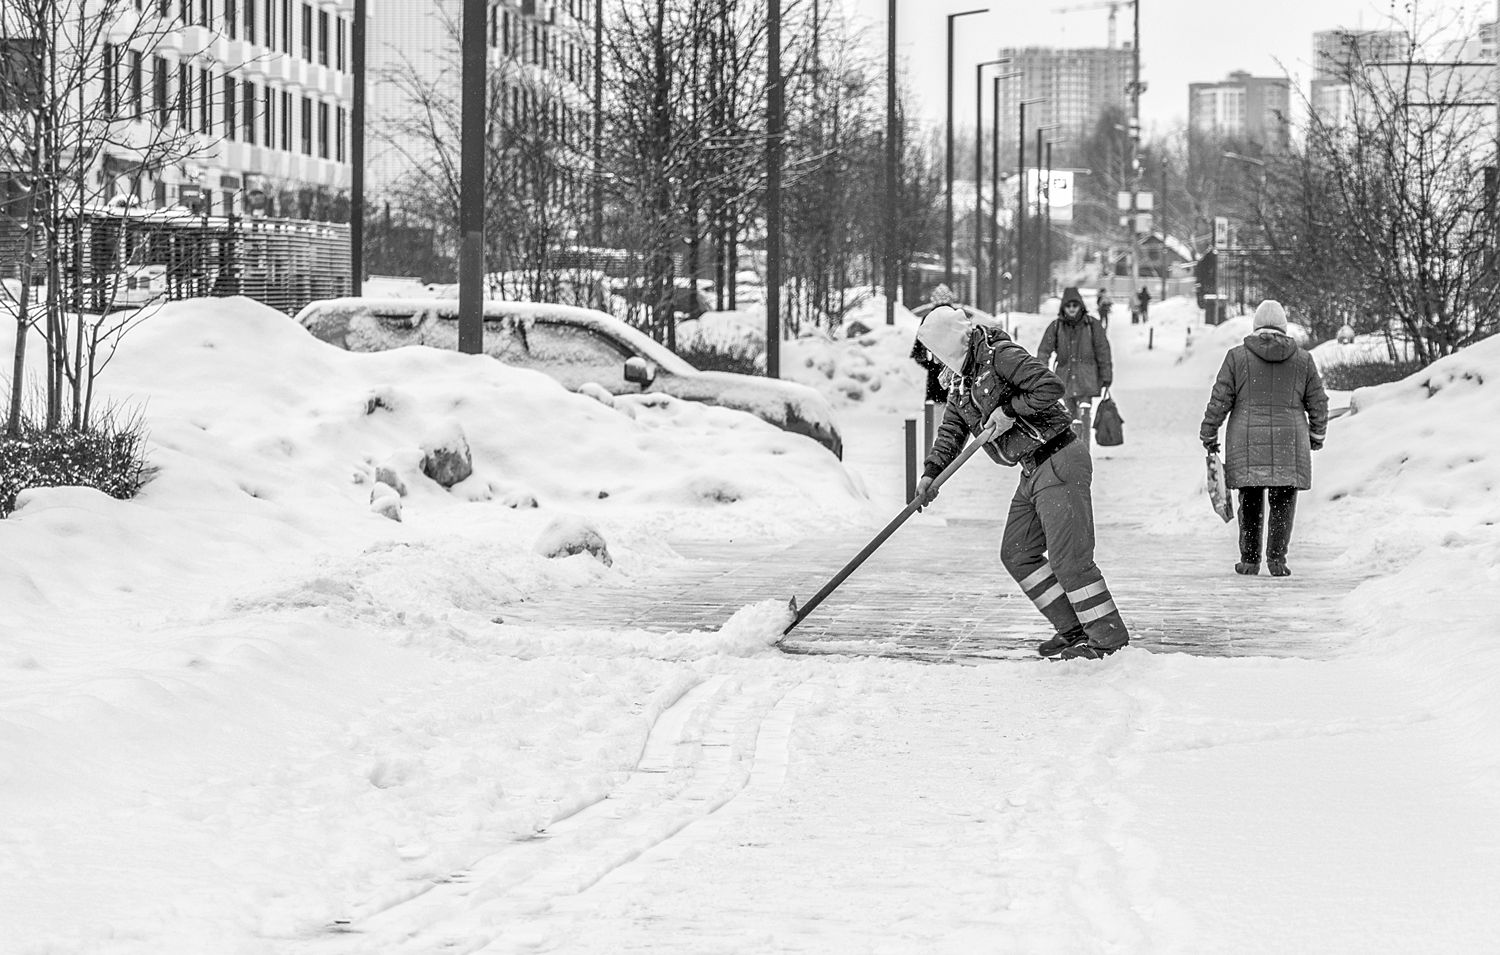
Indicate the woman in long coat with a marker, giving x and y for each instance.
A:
(1270, 391)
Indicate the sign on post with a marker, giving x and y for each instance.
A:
(1221, 232)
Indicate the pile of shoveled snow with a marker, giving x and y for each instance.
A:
(266, 444)
(1411, 481)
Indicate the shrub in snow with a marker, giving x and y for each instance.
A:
(568, 535)
(1367, 372)
(109, 457)
(745, 358)
(446, 458)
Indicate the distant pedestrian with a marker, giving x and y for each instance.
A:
(942, 295)
(1084, 363)
(1048, 542)
(1102, 305)
(1270, 391)
(1143, 304)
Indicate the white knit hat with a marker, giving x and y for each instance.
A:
(1270, 314)
(945, 333)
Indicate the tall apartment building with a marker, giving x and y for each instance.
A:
(1246, 108)
(261, 88)
(1335, 53)
(540, 54)
(1076, 84)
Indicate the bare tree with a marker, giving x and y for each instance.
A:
(74, 88)
(1382, 216)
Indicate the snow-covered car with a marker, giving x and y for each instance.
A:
(574, 346)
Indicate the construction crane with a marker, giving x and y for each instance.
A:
(1114, 9)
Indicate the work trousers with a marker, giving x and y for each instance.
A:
(1278, 528)
(1048, 547)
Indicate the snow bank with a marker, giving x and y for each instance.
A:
(1412, 478)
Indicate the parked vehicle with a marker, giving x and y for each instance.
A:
(574, 346)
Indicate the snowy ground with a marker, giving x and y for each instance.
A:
(246, 713)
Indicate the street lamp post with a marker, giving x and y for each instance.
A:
(891, 143)
(1018, 282)
(471, 179)
(775, 106)
(979, 171)
(357, 153)
(995, 186)
(948, 157)
(1045, 265)
(1047, 204)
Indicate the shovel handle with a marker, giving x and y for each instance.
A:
(911, 507)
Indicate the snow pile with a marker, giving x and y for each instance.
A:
(1412, 477)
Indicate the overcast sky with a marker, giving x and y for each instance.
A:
(1182, 41)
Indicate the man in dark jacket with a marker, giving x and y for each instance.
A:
(1083, 358)
(1048, 543)
(1272, 394)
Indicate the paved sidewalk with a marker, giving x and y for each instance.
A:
(913, 597)
(936, 590)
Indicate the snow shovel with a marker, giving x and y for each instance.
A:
(799, 613)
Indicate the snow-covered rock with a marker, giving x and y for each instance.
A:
(568, 535)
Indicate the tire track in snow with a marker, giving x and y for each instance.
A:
(715, 745)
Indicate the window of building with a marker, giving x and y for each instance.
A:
(269, 38)
(341, 135)
(205, 101)
(137, 83)
(111, 77)
(185, 11)
(184, 91)
(206, 13)
(231, 19)
(323, 37)
(286, 29)
(505, 32)
(307, 32)
(322, 130)
(286, 121)
(268, 115)
(248, 13)
(307, 127)
(231, 127)
(339, 46)
(247, 120)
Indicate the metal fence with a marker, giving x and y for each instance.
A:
(111, 260)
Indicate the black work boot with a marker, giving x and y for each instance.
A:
(1059, 642)
(1278, 568)
(1248, 567)
(1086, 651)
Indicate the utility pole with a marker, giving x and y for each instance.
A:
(471, 180)
(357, 153)
(775, 106)
(1018, 281)
(598, 190)
(995, 193)
(1134, 168)
(948, 155)
(891, 141)
(1162, 213)
(979, 174)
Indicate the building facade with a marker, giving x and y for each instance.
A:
(1244, 108)
(257, 91)
(540, 61)
(1335, 54)
(1076, 85)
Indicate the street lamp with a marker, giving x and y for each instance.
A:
(979, 170)
(889, 265)
(1047, 204)
(948, 158)
(1019, 281)
(1046, 265)
(995, 187)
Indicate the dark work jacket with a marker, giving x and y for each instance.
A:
(1272, 394)
(1084, 362)
(999, 372)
